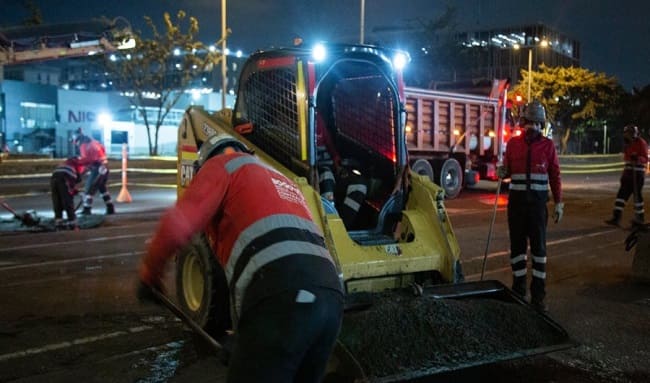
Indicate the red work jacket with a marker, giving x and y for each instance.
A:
(635, 155)
(92, 153)
(544, 167)
(236, 199)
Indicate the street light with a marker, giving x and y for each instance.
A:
(543, 44)
(362, 21)
(530, 70)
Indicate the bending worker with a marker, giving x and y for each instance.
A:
(286, 297)
(93, 155)
(635, 155)
(532, 164)
(63, 182)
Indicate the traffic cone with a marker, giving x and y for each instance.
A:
(124, 195)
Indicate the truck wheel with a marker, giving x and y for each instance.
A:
(450, 177)
(423, 168)
(201, 287)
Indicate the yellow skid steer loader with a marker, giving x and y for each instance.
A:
(408, 311)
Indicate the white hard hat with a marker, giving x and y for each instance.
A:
(216, 144)
(535, 112)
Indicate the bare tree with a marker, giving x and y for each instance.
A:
(160, 68)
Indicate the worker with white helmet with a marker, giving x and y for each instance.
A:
(532, 164)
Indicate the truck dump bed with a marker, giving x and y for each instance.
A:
(449, 327)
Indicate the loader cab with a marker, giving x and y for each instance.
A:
(291, 101)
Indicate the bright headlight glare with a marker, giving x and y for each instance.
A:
(399, 60)
(318, 52)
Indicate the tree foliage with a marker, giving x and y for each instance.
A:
(160, 68)
(35, 14)
(575, 98)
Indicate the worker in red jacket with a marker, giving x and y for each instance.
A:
(93, 155)
(285, 294)
(635, 156)
(63, 182)
(532, 165)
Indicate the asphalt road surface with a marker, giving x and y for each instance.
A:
(68, 310)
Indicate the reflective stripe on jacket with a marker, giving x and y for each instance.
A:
(544, 169)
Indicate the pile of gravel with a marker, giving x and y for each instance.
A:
(402, 335)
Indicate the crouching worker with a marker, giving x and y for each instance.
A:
(285, 293)
(63, 183)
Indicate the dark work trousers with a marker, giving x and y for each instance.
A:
(281, 340)
(355, 195)
(62, 199)
(527, 219)
(626, 190)
(95, 182)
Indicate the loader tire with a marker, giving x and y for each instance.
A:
(450, 177)
(201, 288)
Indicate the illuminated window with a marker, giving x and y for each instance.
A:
(34, 115)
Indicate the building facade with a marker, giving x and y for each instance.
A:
(39, 118)
(504, 52)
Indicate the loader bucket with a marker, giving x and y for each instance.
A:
(449, 327)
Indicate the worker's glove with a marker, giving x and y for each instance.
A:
(145, 292)
(559, 212)
(502, 171)
(102, 170)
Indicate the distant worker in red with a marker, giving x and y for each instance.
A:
(532, 164)
(635, 156)
(93, 155)
(285, 294)
(63, 182)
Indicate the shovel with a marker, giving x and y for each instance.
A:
(26, 218)
(162, 298)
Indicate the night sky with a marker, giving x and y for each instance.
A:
(614, 35)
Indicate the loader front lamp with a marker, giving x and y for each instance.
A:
(400, 60)
(319, 52)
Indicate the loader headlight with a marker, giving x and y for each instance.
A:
(319, 52)
(400, 60)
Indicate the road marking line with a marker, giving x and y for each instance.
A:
(74, 342)
(555, 256)
(67, 261)
(100, 239)
(551, 243)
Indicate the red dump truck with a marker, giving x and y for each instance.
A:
(457, 139)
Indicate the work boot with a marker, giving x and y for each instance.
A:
(72, 225)
(613, 221)
(86, 211)
(110, 208)
(59, 223)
